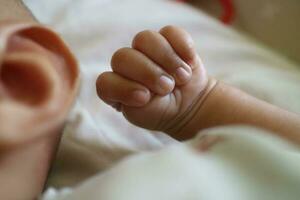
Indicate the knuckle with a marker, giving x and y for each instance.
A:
(169, 29)
(142, 37)
(119, 56)
(99, 86)
(102, 81)
(103, 85)
(102, 78)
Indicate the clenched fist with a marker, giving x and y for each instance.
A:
(158, 83)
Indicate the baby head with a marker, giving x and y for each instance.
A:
(38, 84)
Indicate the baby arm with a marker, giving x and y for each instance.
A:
(160, 84)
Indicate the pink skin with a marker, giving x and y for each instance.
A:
(144, 86)
(33, 54)
(156, 80)
(38, 83)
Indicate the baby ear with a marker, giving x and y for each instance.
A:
(38, 82)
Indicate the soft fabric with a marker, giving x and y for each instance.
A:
(97, 137)
(230, 163)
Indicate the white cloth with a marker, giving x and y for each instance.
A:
(244, 164)
(97, 137)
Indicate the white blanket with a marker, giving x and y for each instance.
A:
(236, 163)
(97, 137)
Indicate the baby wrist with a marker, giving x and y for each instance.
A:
(182, 127)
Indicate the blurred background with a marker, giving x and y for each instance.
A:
(273, 22)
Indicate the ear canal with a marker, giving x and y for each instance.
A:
(25, 82)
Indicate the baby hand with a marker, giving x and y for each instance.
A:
(158, 83)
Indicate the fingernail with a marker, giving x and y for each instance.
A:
(182, 75)
(140, 97)
(165, 83)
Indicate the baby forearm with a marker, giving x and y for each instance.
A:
(227, 105)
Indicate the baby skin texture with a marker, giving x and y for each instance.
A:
(156, 82)
(161, 84)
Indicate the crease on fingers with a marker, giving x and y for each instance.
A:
(136, 66)
(158, 49)
(182, 43)
(113, 88)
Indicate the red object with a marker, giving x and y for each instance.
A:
(228, 11)
(227, 16)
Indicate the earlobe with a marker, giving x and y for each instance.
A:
(38, 82)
